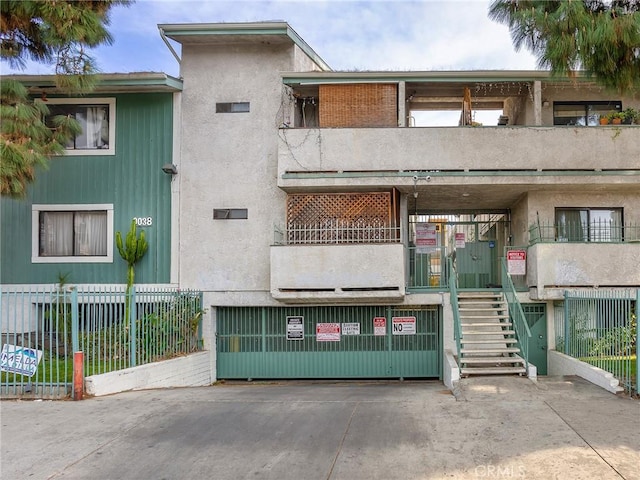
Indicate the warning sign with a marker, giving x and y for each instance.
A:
(295, 328)
(379, 326)
(403, 325)
(327, 332)
(350, 329)
(517, 262)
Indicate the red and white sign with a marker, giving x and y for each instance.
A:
(460, 240)
(327, 332)
(517, 262)
(426, 237)
(379, 326)
(403, 325)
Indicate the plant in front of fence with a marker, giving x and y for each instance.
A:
(172, 330)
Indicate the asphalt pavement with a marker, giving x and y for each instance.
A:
(493, 427)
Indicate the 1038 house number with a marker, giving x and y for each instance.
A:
(143, 221)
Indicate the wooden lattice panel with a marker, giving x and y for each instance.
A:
(357, 209)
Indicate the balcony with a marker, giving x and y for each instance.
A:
(372, 272)
(570, 265)
(455, 149)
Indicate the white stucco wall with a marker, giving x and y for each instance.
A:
(228, 160)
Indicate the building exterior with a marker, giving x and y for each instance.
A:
(111, 174)
(309, 201)
(324, 225)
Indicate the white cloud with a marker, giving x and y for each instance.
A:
(348, 35)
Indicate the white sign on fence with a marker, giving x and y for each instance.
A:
(295, 328)
(20, 360)
(403, 325)
(517, 262)
(350, 329)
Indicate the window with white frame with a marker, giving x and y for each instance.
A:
(72, 233)
(96, 117)
(589, 224)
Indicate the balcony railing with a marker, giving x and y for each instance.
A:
(335, 233)
(583, 232)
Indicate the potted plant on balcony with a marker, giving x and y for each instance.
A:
(615, 117)
(630, 116)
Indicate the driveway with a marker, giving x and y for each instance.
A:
(494, 427)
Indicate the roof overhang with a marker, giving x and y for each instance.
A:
(108, 83)
(239, 33)
(464, 76)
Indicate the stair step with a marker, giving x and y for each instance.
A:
(479, 317)
(492, 370)
(487, 324)
(480, 342)
(479, 295)
(497, 360)
(484, 332)
(483, 351)
(479, 309)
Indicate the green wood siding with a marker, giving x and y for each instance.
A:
(131, 180)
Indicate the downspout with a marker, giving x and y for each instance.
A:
(171, 49)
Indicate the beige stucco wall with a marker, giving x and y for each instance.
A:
(345, 272)
(454, 148)
(583, 265)
(228, 160)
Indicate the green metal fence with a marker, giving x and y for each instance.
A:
(516, 314)
(600, 327)
(49, 324)
(328, 342)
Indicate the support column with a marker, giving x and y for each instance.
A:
(402, 104)
(537, 103)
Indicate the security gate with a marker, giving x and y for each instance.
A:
(328, 342)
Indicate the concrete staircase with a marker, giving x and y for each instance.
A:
(488, 342)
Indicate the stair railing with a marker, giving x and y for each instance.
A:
(453, 293)
(521, 327)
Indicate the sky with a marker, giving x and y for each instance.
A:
(349, 35)
(381, 35)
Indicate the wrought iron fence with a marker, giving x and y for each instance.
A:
(336, 232)
(595, 231)
(600, 327)
(114, 329)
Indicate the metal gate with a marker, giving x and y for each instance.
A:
(328, 342)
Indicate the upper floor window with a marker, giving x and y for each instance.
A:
(233, 107)
(589, 224)
(72, 233)
(96, 117)
(583, 113)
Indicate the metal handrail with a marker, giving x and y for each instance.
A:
(521, 327)
(453, 293)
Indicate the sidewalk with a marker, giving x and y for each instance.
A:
(500, 427)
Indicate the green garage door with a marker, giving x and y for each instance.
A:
(328, 342)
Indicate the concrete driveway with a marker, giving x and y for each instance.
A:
(500, 427)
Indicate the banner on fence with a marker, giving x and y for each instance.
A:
(20, 360)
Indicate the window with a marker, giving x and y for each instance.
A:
(72, 233)
(589, 224)
(234, 107)
(230, 214)
(583, 113)
(96, 117)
